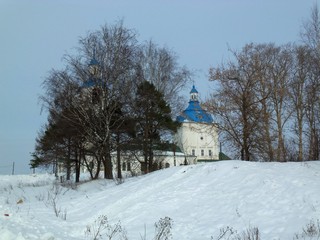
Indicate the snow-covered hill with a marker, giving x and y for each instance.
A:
(278, 198)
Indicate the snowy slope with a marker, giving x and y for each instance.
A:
(278, 198)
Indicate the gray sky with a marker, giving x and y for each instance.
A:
(35, 34)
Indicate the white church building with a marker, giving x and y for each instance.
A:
(196, 141)
(197, 135)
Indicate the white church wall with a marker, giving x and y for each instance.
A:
(199, 139)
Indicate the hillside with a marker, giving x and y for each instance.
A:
(278, 198)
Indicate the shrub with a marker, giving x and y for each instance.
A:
(229, 233)
(52, 200)
(311, 231)
(163, 229)
(102, 229)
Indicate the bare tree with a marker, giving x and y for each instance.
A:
(93, 86)
(299, 78)
(310, 31)
(263, 58)
(310, 35)
(268, 92)
(96, 91)
(280, 76)
(252, 100)
(160, 67)
(235, 103)
(111, 74)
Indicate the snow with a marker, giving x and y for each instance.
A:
(278, 198)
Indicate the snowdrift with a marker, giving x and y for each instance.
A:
(278, 198)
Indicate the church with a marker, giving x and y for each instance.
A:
(197, 135)
(196, 140)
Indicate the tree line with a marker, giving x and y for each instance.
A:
(266, 100)
(114, 95)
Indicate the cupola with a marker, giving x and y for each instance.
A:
(93, 66)
(194, 112)
(194, 94)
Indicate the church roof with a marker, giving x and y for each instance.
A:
(93, 62)
(194, 112)
(88, 84)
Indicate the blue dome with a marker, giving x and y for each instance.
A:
(194, 112)
(93, 62)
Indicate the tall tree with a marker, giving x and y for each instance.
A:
(299, 79)
(153, 123)
(59, 144)
(279, 73)
(235, 103)
(159, 66)
(251, 102)
(103, 71)
(63, 131)
(95, 91)
(114, 49)
(310, 35)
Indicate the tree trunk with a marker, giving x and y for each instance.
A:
(266, 125)
(107, 163)
(300, 128)
(99, 160)
(68, 160)
(246, 133)
(118, 157)
(77, 164)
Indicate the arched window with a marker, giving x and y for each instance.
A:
(123, 166)
(128, 166)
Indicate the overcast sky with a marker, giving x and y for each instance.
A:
(35, 34)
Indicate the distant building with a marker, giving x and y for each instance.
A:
(197, 136)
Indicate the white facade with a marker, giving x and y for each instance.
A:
(197, 135)
(164, 159)
(198, 139)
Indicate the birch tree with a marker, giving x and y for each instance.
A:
(310, 35)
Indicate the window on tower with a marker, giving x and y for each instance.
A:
(202, 152)
(210, 152)
(193, 152)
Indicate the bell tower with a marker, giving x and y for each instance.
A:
(197, 135)
(194, 95)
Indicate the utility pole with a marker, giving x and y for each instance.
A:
(13, 168)
(174, 155)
